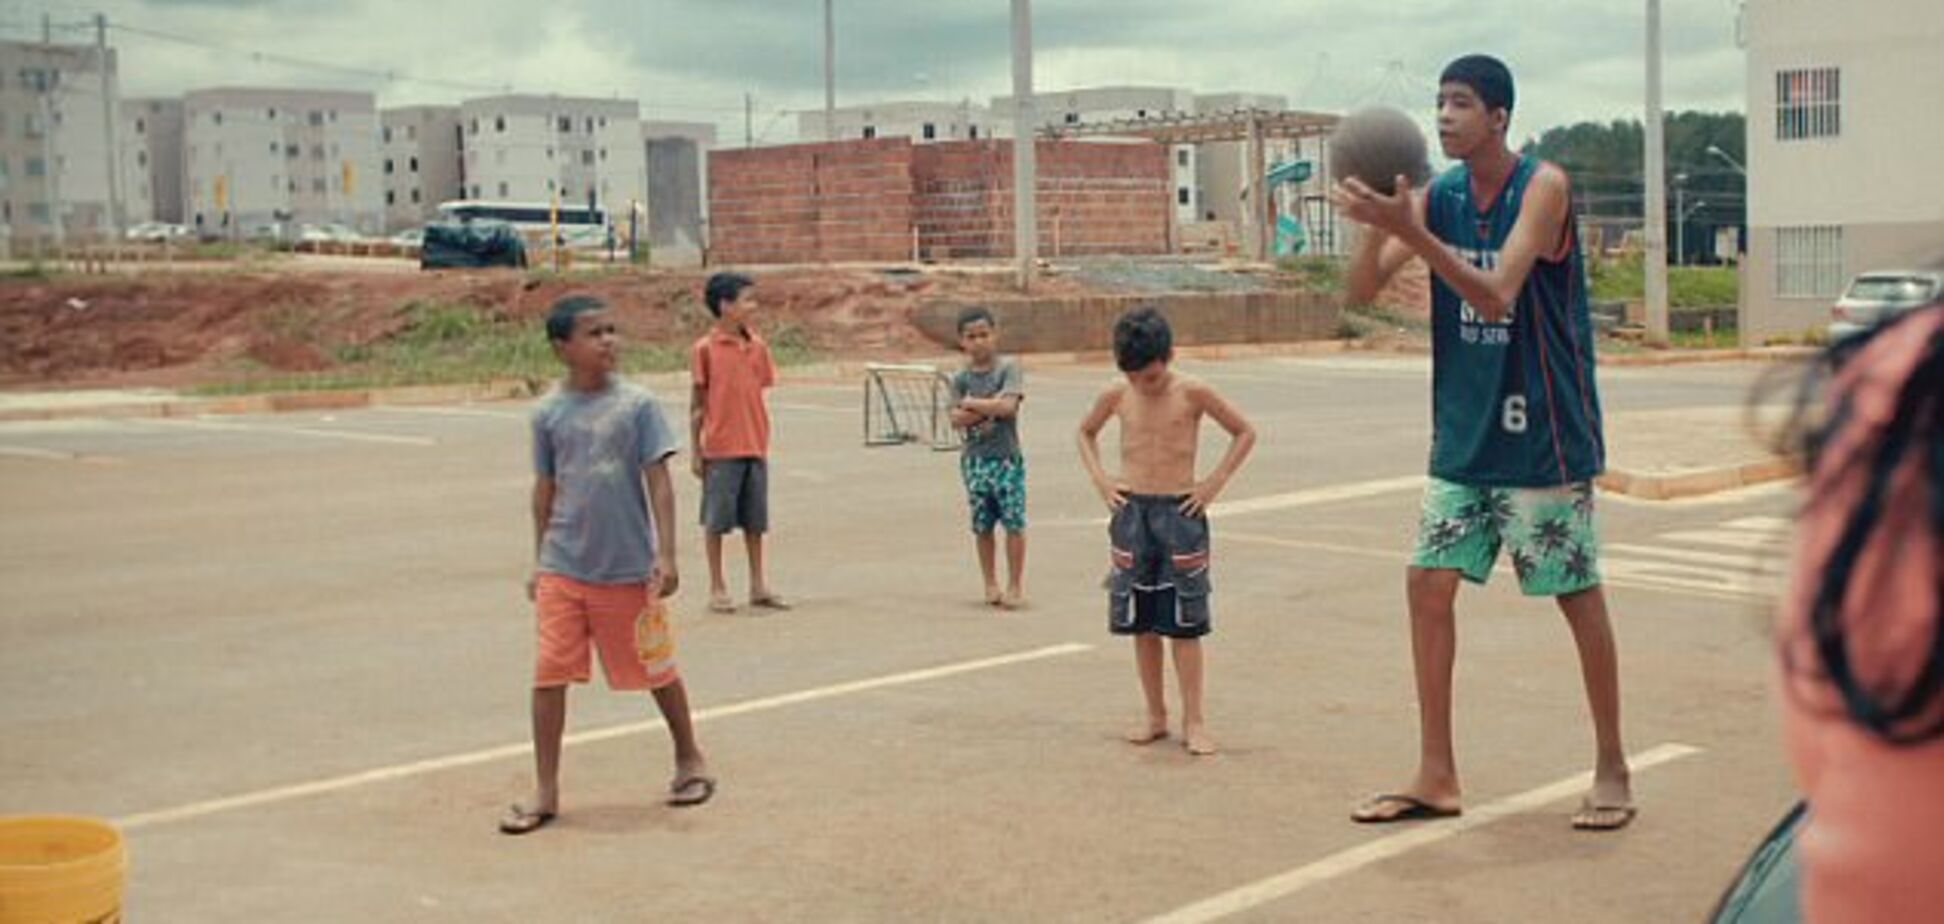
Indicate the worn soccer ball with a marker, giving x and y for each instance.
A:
(1377, 145)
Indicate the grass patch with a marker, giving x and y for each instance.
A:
(1625, 279)
(445, 343)
(1321, 274)
(1369, 321)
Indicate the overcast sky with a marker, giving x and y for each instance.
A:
(692, 60)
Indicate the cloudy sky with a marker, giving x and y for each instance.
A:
(693, 60)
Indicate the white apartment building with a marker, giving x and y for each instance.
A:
(1843, 135)
(534, 148)
(420, 147)
(919, 120)
(256, 159)
(54, 140)
(1107, 104)
(151, 159)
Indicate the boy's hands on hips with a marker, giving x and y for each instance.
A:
(1197, 501)
(1113, 494)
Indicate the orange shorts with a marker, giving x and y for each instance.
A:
(570, 614)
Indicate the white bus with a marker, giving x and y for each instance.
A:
(581, 227)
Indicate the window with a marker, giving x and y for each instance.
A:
(141, 160)
(317, 152)
(314, 117)
(32, 124)
(551, 185)
(870, 131)
(38, 211)
(415, 196)
(1181, 196)
(141, 126)
(391, 198)
(290, 151)
(411, 133)
(293, 186)
(1140, 113)
(216, 117)
(1808, 104)
(502, 189)
(36, 167)
(972, 132)
(590, 125)
(388, 166)
(385, 134)
(604, 121)
(334, 115)
(550, 153)
(604, 153)
(565, 125)
(475, 191)
(414, 164)
(272, 114)
(587, 158)
(1073, 118)
(499, 123)
(317, 186)
(930, 131)
(1181, 157)
(472, 127)
(1809, 261)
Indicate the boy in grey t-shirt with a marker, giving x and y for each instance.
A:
(986, 396)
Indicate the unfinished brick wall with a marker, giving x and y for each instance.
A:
(812, 203)
(873, 201)
(1093, 198)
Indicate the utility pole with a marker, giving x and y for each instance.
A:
(749, 121)
(50, 169)
(830, 71)
(1656, 179)
(108, 128)
(1025, 125)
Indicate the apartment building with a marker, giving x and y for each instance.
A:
(258, 160)
(1842, 139)
(918, 120)
(151, 159)
(54, 161)
(421, 149)
(527, 148)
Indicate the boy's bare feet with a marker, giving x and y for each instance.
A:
(719, 602)
(768, 600)
(1156, 729)
(993, 596)
(1014, 600)
(1195, 739)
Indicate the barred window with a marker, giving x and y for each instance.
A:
(1809, 261)
(1808, 104)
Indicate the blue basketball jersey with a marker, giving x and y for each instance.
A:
(1513, 402)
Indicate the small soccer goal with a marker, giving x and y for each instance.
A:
(908, 404)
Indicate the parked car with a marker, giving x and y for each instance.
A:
(330, 233)
(410, 237)
(472, 244)
(157, 232)
(1877, 296)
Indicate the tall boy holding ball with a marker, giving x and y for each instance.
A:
(1516, 439)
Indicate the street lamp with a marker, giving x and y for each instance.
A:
(1680, 228)
(1724, 155)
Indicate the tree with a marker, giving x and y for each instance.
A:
(1605, 164)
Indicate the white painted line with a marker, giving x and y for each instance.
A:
(525, 748)
(1750, 563)
(1722, 499)
(312, 432)
(430, 411)
(30, 452)
(1762, 524)
(1730, 538)
(1620, 573)
(1342, 863)
(1291, 500)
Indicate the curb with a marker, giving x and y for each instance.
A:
(1697, 482)
(1682, 358)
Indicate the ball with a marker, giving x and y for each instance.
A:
(1376, 145)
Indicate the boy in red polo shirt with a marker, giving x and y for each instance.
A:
(730, 428)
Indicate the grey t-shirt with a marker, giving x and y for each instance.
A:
(594, 445)
(992, 438)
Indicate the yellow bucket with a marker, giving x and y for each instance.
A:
(60, 870)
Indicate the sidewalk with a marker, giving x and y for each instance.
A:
(1690, 452)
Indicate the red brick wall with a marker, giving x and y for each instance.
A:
(860, 201)
(1093, 198)
(812, 203)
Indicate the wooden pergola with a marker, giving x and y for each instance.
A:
(1253, 126)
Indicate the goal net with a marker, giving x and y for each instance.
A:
(908, 404)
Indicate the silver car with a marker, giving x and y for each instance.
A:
(1877, 296)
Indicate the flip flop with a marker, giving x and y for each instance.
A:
(769, 601)
(1415, 809)
(721, 605)
(518, 820)
(1592, 817)
(700, 788)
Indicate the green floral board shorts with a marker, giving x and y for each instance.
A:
(1548, 532)
(996, 491)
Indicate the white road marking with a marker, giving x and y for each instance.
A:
(814, 408)
(313, 432)
(448, 411)
(1722, 499)
(30, 452)
(1731, 538)
(1345, 862)
(420, 768)
(1751, 563)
